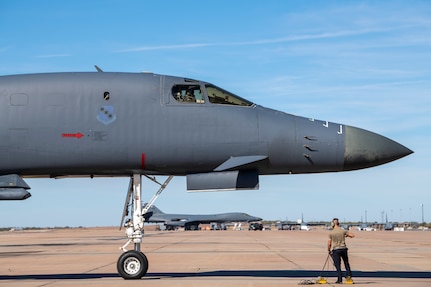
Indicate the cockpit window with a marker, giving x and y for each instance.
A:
(194, 94)
(219, 96)
(188, 94)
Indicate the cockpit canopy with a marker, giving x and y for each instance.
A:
(199, 94)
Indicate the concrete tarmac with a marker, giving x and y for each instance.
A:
(88, 257)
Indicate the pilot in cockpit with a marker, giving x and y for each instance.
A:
(178, 96)
(189, 97)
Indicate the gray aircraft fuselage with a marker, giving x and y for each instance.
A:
(118, 124)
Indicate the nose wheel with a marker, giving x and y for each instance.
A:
(132, 265)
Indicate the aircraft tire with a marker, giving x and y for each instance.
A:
(132, 265)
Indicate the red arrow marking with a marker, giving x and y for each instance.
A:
(77, 135)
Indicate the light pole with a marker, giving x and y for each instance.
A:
(410, 215)
(422, 205)
(365, 217)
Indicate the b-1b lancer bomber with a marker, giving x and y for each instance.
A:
(192, 221)
(96, 124)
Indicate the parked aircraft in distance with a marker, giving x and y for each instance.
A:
(132, 124)
(192, 221)
(295, 225)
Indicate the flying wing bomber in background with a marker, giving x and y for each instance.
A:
(192, 221)
(133, 124)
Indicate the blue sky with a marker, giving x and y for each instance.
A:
(360, 63)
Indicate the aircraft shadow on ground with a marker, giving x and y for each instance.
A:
(227, 273)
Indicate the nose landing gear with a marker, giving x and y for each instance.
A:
(133, 264)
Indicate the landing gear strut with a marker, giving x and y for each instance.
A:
(133, 264)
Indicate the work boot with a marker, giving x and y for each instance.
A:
(349, 280)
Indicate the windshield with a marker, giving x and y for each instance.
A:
(219, 96)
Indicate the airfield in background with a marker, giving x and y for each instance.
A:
(88, 257)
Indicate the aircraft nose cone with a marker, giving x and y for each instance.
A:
(366, 149)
